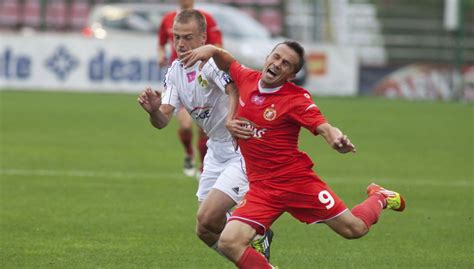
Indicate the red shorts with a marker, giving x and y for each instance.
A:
(263, 204)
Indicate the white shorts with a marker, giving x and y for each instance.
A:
(224, 169)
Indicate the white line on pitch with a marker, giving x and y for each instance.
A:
(86, 173)
(329, 180)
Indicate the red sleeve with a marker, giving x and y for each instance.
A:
(239, 73)
(214, 34)
(306, 113)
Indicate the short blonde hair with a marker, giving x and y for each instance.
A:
(188, 15)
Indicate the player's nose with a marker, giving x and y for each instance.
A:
(278, 63)
(179, 43)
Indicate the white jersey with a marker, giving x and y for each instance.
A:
(202, 94)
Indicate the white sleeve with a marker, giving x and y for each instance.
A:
(219, 77)
(170, 94)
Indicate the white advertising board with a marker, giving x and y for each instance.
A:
(332, 70)
(75, 63)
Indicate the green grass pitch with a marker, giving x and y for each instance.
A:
(86, 182)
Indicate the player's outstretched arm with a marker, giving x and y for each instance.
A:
(233, 94)
(222, 58)
(235, 127)
(335, 138)
(160, 114)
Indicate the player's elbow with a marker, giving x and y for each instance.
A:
(210, 222)
(158, 123)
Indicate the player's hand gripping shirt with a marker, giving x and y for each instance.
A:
(202, 94)
(275, 117)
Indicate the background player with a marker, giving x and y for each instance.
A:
(185, 129)
(270, 114)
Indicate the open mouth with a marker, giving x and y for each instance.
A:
(271, 72)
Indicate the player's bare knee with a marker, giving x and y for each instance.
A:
(210, 222)
(227, 244)
(201, 232)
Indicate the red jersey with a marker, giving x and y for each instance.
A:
(165, 32)
(275, 119)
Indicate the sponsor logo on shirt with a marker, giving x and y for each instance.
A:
(201, 113)
(191, 76)
(257, 131)
(269, 113)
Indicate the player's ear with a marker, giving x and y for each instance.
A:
(293, 74)
(204, 37)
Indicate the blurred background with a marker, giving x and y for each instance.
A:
(395, 48)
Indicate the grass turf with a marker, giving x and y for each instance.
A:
(86, 182)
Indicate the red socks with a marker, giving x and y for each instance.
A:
(186, 137)
(251, 259)
(369, 210)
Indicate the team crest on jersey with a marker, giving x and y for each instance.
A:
(307, 95)
(191, 76)
(257, 99)
(202, 82)
(270, 113)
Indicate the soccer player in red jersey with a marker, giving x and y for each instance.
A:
(165, 36)
(270, 113)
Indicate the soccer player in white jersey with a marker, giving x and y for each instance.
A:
(202, 92)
